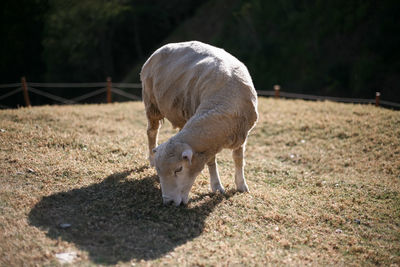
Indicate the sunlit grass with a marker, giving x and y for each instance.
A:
(324, 180)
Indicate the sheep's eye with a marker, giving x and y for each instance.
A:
(178, 170)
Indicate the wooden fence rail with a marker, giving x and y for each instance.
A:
(107, 87)
(377, 101)
(110, 88)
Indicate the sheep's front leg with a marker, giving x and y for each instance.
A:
(215, 181)
(152, 133)
(240, 181)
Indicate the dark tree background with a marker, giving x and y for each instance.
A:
(346, 48)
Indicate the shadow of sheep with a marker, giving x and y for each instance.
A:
(121, 219)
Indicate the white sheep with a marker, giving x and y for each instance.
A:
(208, 94)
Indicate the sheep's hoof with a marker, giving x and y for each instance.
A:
(218, 188)
(243, 188)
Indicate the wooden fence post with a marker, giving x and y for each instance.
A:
(377, 98)
(25, 91)
(109, 85)
(277, 88)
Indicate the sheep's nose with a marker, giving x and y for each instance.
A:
(167, 200)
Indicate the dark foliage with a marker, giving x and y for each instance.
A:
(336, 48)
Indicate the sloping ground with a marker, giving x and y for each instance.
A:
(324, 180)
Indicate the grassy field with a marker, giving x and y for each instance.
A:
(324, 180)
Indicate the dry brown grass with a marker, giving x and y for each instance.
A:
(324, 180)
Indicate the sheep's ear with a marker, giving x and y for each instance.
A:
(187, 154)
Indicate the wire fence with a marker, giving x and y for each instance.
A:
(277, 93)
(46, 90)
(127, 91)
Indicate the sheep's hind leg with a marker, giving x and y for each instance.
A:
(215, 181)
(152, 133)
(240, 181)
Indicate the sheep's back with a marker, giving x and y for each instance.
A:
(192, 76)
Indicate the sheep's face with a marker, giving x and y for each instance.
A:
(177, 168)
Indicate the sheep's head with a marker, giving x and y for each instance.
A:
(177, 166)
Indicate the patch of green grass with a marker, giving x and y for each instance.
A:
(324, 180)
